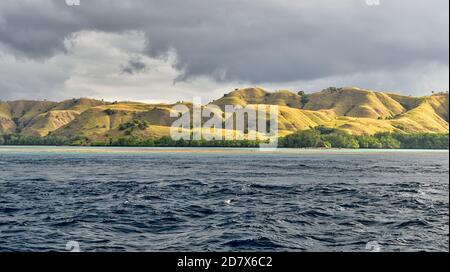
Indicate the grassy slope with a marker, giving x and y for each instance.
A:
(43, 124)
(41, 117)
(102, 122)
(6, 124)
(353, 110)
(355, 102)
(429, 116)
(259, 96)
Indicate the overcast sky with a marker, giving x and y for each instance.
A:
(169, 50)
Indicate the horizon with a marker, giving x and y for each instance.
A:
(433, 92)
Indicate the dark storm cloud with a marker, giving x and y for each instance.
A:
(134, 66)
(254, 41)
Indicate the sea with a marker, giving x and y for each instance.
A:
(94, 199)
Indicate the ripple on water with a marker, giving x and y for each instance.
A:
(167, 201)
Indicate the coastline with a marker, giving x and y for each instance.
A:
(207, 150)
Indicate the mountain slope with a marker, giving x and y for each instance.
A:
(40, 117)
(429, 116)
(43, 124)
(258, 95)
(353, 110)
(354, 102)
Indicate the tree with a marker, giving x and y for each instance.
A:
(341, 140)
(109, 111)
(324, 130)
(308, 138)
(305, 99)
(365, 141)
(387, 141)
(141, 124)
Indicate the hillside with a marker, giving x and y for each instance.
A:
(353, 110)
(260, 96)
(41, 117)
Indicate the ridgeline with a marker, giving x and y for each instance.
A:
(332, 118)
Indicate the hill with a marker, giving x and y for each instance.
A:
(350, 109)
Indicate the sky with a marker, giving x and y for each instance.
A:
(171, 50)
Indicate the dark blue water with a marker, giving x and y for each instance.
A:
(221, 201)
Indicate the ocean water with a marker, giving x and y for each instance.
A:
(150, 199)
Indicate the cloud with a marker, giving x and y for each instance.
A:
(274, 42)
(93, 67)
(26, 79)
(134, 66)
(416, 81)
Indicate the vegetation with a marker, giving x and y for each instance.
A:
(141, 124)
(323, 137)
(166, 141)
(304, 100)
(16, 139)
(109, 112)
(319, 137)
(350, 109)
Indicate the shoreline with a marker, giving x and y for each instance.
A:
(5, 149)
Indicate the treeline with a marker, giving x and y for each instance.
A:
(319, 137)
(167, 141)
(323, 137)
(164, 141)
(17, 139)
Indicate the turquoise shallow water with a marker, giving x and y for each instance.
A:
(169, 199)
(256, 151)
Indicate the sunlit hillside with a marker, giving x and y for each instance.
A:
(353, 110)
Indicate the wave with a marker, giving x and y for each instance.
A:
(256, 243)
(413, 223)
